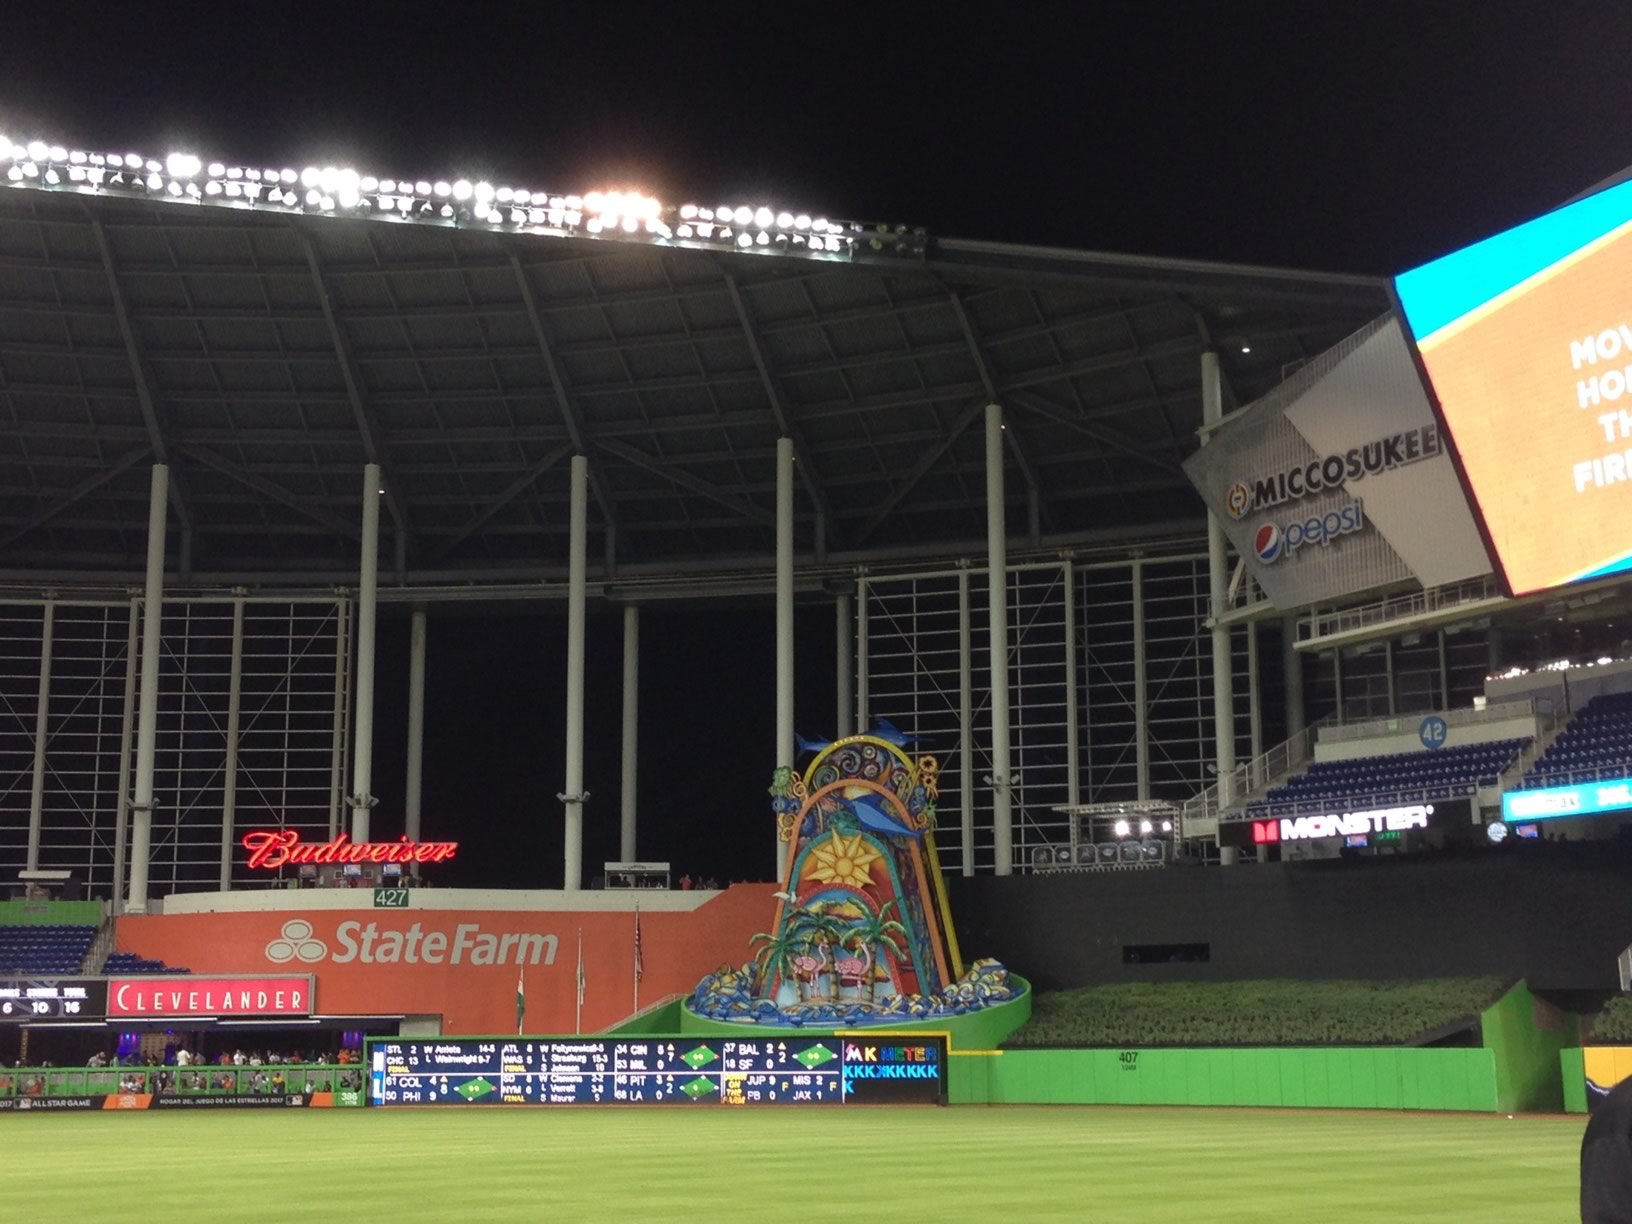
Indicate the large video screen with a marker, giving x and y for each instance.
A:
(1526, 341)
(766, 1070)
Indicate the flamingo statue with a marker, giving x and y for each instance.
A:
(807, 968)
(853, 971)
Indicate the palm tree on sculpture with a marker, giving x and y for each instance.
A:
(774, 956)
(881, 933)
(823, 932)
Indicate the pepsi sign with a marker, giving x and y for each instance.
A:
(1271, 542)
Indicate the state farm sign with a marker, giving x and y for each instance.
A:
(178, 997)
(371, 944)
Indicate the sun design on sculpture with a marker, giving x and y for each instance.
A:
(842, 860)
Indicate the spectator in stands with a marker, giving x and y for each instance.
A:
(1606, 1160)
(277, 1083)
(238, 1059)
(685, 883)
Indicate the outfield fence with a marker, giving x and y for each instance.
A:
(275, 1080)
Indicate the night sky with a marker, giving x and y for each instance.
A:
(1362, 137)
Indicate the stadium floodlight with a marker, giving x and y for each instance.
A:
(1120, 828)
(623, 215)
(1167, 826)
(1145, 826)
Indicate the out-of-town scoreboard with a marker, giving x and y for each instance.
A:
(763, 1070)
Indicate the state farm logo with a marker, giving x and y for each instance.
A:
(369, 944)
(1238, 500)
(296, 943)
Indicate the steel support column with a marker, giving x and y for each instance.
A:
(1444, 673)
(368, 589)
(42, 718)
(577, 588)
(784, 619)
(1141, 687)
(966, 723)
(412, 790)
(863, 668)
(127, 729)
(1073, 759)
(147, 717)
(1388, 677)
(843, 666)
(997, 552)
(1292, 675)
(337, 742)
(229, 771)
(1218, 575)
(1255, 712)
(627, 792)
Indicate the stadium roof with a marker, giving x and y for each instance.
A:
(268, 354)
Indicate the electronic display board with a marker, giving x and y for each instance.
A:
(762, 1070)
(1555, 802)
(1525, 342)
(52, 998)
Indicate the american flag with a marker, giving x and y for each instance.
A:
(640, 965)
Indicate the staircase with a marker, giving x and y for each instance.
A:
(1550, 725)
(96, 956)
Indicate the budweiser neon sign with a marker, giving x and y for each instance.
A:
(271, 849)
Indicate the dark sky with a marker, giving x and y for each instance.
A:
(1354, 136)
(1322, 134)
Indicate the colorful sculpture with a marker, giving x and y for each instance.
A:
(862, 931)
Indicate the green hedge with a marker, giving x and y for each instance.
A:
(1278, 1012)
(1613, 1025)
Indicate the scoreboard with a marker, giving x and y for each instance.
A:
(54, 998)
(679, 1071)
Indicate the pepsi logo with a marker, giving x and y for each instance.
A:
(1238, 500)
(1267, 543)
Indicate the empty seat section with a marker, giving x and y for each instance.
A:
(1392, 778)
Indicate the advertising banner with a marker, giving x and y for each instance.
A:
(1338, 482)
(145, 1101)
(182, 996)
(463, 965)
(1526, 341)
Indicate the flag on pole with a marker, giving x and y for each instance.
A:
(580, 966)
(640, 965)
(521, 1000)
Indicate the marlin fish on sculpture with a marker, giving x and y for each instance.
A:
(883, 729)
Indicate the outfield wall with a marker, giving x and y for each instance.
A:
(1556, 915)
(1462, 1080)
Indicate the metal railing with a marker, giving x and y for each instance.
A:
(1397, 607)
(1466, 716)
(1251, 776)
(1391, 797)
(276, 1079)
(1576, 777)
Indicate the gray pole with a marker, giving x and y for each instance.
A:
(966, 723)
(1337, 680)
(577, 594)
(631, 734)
(1073, 761)
(1218, 574)
(42, 713)
(864, 720)
(127, 726)
(368, 586)
(843, 665)
(784, 617)
(229, 783)
(1141, 687)
(997, 588)
(412, 791)
(147, 717)
(1388, 678)
(1292, 675)
(1444, 674)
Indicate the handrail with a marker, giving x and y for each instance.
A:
(1259, 808)
(1248, 776)
(1397, 607)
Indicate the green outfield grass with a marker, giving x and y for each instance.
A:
(998, 1166)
